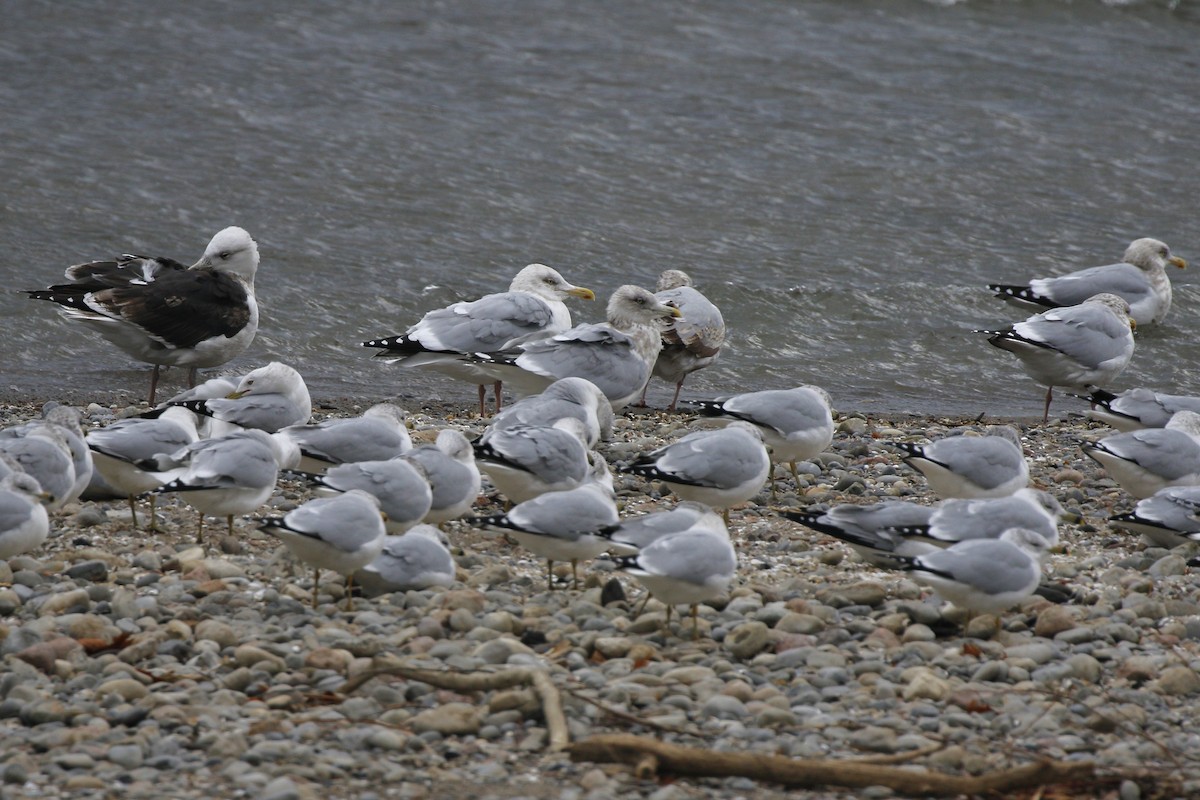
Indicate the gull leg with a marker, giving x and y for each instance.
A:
(674, 399)
(695, 621)
(482, 401)
(642, 610)
(193, 373)
(642, 402)
(153, 517)
(316, 581)
(1046, 412)
(200, 528)
(549, 575)
(349, 592)
(496, 394)
(231, 524)
(667, 622)
(574, 574)
(133, 511)
(153, 383)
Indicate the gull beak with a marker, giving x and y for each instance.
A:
(1132, 324)
(672, 311)
(1176, 261)
(202, 263)
(582, 293)
(1071, 518)
(234, 395)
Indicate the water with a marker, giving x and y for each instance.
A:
(840, 178)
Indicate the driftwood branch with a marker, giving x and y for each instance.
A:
(538, 679)
(650, 756)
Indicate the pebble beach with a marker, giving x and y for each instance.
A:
(141, 665)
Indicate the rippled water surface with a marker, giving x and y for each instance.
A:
(840, 178)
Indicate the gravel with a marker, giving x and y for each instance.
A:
(146, 665)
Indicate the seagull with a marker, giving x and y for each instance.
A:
(454, 479)
(524, 461)
(566, 397)
(343, 533)
(121, 451)
(566, 525)
(796, 424)
(635, 533)
(400, 486)
(380, 433)
(233, 474)
(1076, 346)
(1146, 461)
(417, 560)
(268, 398)
(1141, 279)
(881, 532)
(1134, 409)
(720, 468)
(690, 343)
(164, 313)
(24, 524)
(971, 466)
(689, 566)
(43, 451)
(983, 575)
(532, 308)
(1168, 518)
(616, 355)
(65, 420)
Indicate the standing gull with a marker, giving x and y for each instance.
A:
(400, 486)
(1076, 346)
(616, 355)
(164, 313)
(526, 460)
(1141, 279)
(449, 467)
(690, 343)
(532, 308)
(417, 560)
(970, 466)
(1134, 409)
(380, 433)
(343, 533)
(1146, 461)
(796, 424)
(566, 397)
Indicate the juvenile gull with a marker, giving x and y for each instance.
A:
(970, 466)
(1134, 409)
(342, 533)
(720, 468)
(1168, 518)
(1074, 347)
(796, 424)
(268, 398)
(121, 452)
(379, 433)
(689, 567)
(690, 343)
(524, 461)
(233, 474)
(453, 477)
(417, 560)
(1141, 279)
(400, 486)
(164, 313)
(566, 397)
(24, 524)
(532, 308)
(1148, 460)
(563, 526)
(616, 355)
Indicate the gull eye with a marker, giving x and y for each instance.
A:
(224, 255)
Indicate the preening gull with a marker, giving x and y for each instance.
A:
(1134, 409)
(379, 433)
(692, 342)
(1074, 347)
(563, 526)
(233, 474)
(616, 355)
(268, 398)
(404, 494)
(532, 308)
(120, 452)
(449, 467)
(796, 424)
(417, 560)
(984, 575)
(342, 533)
(165, 313)
(1141, 279)
(970, 466)
(689, 567)
(1168, 518)
(1148, 460)
(720, 468)
(24, 524)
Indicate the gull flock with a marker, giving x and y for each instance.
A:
(223, 446)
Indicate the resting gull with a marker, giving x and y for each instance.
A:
(379, 433)
(616, 355)
(1141, 279)
(532, 308)
(449, 467)
(417, 560)
(690, 343)
(1074, 347)
(268, 398)
(524, 461)
(1168, 518)
(165, 313)
(24, 524)
(1134, 409)
(44, 452)
(1146, 461)
(970, 466)
(634, 533)
(404, 494)
(566, 397)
